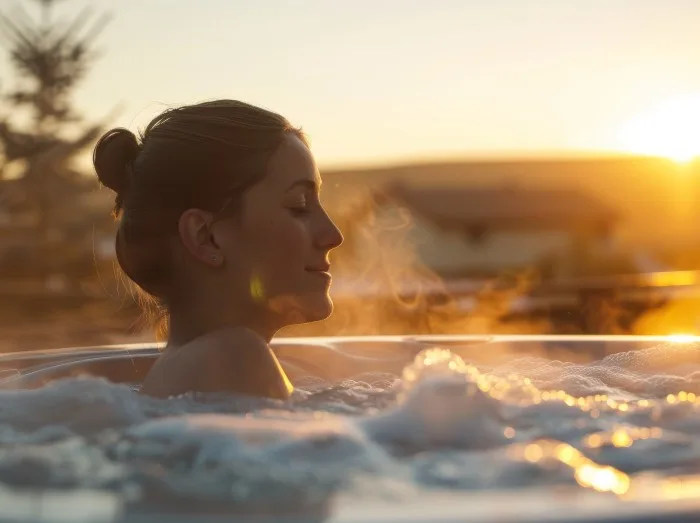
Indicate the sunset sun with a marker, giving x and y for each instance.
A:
(670, 129)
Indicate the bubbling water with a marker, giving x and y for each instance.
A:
(626, 426)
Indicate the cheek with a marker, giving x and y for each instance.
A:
(280, 244)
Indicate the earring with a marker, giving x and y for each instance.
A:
(214, 258)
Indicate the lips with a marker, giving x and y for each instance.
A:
(324, 267)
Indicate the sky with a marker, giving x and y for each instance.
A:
(387, 81)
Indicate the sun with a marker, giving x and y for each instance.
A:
(682, 338)
(671, 129)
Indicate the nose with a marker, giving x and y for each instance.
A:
(328, 236)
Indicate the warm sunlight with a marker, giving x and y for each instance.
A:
(671, 129)
(682, 338)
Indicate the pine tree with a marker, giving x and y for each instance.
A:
(40, 131)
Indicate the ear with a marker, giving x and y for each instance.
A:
(194, 228)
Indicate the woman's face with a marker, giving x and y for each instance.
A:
(277, 249)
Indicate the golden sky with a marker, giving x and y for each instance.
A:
(393, 80)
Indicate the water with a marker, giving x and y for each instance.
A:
(526, 437)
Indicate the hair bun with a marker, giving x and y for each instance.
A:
(114, 152)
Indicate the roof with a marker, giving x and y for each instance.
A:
(542, 171)
(505, 207)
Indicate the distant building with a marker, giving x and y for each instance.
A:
(563, 218)
(483, 231)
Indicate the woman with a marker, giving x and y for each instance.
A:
(221, 223)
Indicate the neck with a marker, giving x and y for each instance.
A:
(190, 321)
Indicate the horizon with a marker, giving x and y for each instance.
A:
(513, 157)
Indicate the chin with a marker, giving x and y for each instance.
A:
(303, 309)
(318, 309)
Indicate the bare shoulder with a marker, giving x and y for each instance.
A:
(242, 361)
(231, 359)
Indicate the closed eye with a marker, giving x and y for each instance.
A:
(300, 208)
(300, 211)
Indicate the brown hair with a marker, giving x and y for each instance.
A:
(197, 156)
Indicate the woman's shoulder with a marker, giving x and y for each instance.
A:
(233, 359)
(244, 360)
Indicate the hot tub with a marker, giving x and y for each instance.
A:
(385, 428)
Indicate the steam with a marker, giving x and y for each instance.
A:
(381, 286)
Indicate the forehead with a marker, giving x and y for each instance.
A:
(292, 162)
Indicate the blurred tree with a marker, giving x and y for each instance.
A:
(40, 132)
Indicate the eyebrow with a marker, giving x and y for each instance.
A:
(310, 184)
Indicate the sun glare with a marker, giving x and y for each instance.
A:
(681, 338)
(671, 130)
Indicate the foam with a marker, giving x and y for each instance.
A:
(443, 425)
